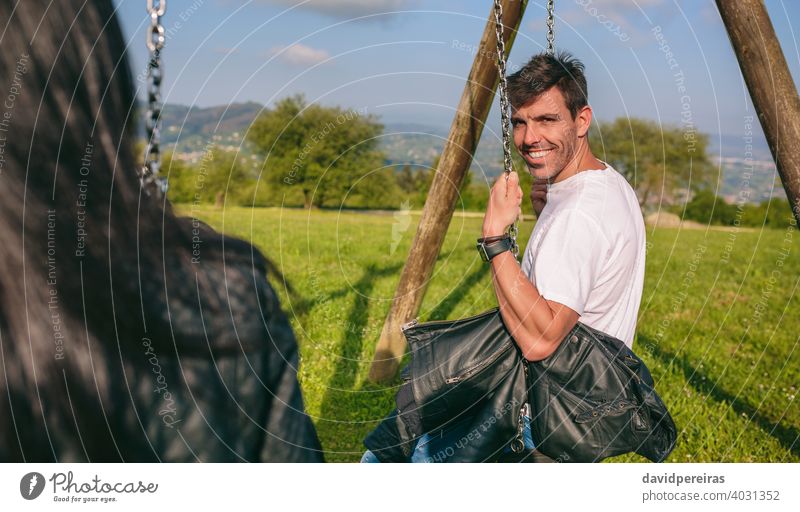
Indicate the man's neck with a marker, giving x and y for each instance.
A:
(584, 160)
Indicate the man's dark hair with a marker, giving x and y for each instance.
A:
(545, 71)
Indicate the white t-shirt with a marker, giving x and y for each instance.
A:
(587, 250)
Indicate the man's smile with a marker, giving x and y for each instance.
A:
(537, 155)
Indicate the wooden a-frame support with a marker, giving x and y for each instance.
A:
(768, 80)
(770, 84)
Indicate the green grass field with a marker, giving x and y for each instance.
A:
(718, 325)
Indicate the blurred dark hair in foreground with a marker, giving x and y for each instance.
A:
(120, 338)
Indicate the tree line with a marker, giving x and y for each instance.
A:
(309, 155)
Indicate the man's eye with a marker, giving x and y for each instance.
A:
(515, 122)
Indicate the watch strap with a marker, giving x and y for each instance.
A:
(490, 249)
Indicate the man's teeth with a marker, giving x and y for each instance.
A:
(538, 154)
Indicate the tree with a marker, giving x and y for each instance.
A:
(405, 179)
(774, 213)
(228, 176)
(707, 208)
(423, 179)
(658, 161)
(376, 189)
(179, 177)
(320, 150)
(219, 176)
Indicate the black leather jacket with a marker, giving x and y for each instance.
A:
(591, 399)
(240, 404)
(213, 379)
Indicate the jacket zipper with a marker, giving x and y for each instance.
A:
(409, 325)
(518, 444)
(415, 321)
(478, 367)
(612, 357)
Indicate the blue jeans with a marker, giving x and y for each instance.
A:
(430, 446)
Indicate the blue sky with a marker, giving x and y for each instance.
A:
(406, 60)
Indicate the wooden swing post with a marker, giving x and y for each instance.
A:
(770, 84)
(465, 132)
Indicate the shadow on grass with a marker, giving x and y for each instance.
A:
(347, 413)
(788, 436)
(343, 407)
(300, 305)
(446, 306)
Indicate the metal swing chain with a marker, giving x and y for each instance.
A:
(518, 444)
(551, 37)
(505, 109)
(150, 179)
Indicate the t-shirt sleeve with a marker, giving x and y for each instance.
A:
(569, 259)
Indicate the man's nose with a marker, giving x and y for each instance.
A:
(532, 135)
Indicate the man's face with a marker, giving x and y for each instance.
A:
(545, 134)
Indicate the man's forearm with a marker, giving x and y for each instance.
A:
(526, 313)
(536, 324)
(510, 317)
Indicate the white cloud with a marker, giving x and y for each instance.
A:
(347, 8)
(300, 55)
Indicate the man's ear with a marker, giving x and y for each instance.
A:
(583, 120)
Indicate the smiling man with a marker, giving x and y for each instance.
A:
(585, 258)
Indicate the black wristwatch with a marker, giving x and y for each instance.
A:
(491, 246)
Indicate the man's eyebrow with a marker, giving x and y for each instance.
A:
(542, 117)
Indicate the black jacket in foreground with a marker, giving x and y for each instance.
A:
(591, 399)
(211, 376)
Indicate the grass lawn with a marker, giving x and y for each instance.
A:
(718, 325)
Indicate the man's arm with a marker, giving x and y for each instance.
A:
(537, 325)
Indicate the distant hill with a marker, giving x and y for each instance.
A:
(733, 146)
(183, 121)
(188, 130)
